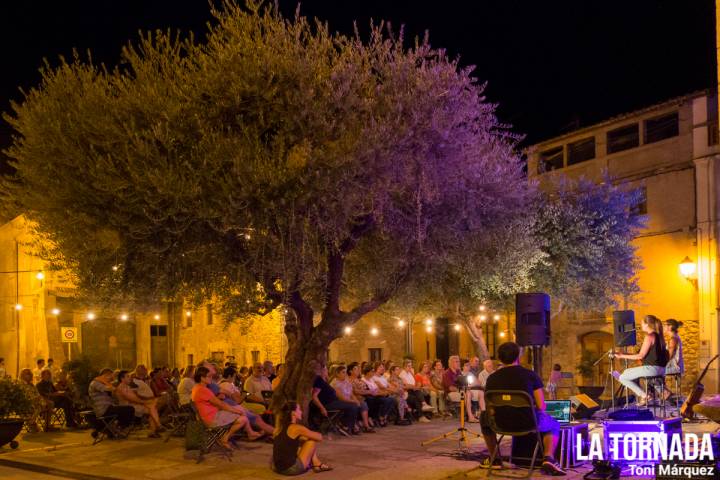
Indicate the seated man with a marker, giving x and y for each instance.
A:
(515, 377)
(59, 399)
(325, 398)
(254, 386)
(488, 368)
(100, 392)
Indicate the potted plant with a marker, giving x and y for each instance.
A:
(15, 404)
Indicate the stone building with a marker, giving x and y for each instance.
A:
(670, 151)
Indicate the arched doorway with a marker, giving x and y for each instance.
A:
(593, 346)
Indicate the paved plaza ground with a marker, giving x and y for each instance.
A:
(393, 453)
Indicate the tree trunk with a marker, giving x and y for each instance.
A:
(474, 331)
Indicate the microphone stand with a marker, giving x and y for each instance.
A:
(610, 355)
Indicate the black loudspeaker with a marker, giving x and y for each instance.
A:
(532, 319)
(624, 328)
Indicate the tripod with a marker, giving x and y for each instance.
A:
(461, 431)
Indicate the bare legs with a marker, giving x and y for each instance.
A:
(239, 423)
(308, 454)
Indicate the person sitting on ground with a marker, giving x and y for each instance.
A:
(344, 390)
(100, 392)
(436, 380)
(216, 413)
(269, 370)
(325, 398)
(278, 376)
(233, 396)
(378, 399)
(422, 380)
(254, 386)
(295, 446)
(141, 407)
(57, 398)
(450, 385)
(515, 377)
(415, 396)
(38, 370)
(42, 407)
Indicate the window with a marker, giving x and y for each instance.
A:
(190, 359)
(623, 138)
(641, 207)
(660, 128)
(209, 309)
(375, 354)
(581, 151)
(551, 160)
(255, 356)
(158, 330)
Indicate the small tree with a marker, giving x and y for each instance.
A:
(276, 164)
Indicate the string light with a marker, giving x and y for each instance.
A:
(157, 316)
(40, 275)
(374, 331)
(18, 306)
(428, 322)
(348, 330)
(496, 317)
(55, 311)
(483, 318)
(482, 308)
(428, 329)
(457, 327)
(188, 313)
(115, 268)
(401, 323)
(123, 317)
(91, 316)
(502, 334)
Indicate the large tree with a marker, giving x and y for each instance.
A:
(273, 164)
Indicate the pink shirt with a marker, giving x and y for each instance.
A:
(201, 396)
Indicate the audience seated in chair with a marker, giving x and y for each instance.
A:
(378, 399)
(42, 408)
(415, 396)
(325, 398)
(215, 413)
(254, 385)
(187, 382)
(397, 387)
(344, 390)
(515, 377)
(295, 446)
(450, 385)
(100, 391)
(141, 406)
(57, 398)
(233, 396)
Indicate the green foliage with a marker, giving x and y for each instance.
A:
(15, 400)
(81, 372)
(586, 367)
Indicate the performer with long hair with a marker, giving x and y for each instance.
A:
(653, 354)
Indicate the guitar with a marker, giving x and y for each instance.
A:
(686, 411)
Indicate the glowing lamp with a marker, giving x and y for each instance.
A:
(188, 313)
(114, 268)
(157, 316)
(457, 327)
(482, 308)
(55, 311)
(374, 331)
(40, 275)
(428, 329)
(428, 322)
(18, 307)
(687, 268)
(496, 317)
(483, 318)
(502, 334)
(348, 330)
(401, 323)
(91, 316)
(123, 317)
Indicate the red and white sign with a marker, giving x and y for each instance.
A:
(68, 334)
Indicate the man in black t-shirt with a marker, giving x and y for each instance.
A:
(325, 398)
(514, 377)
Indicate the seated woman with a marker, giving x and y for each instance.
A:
(294, 446)
(186, 385)
(216, 413)
(324, 398)
(344, 389)
(653, 354)
(127, 397)
(422, 379)
(42, 408)
(378, 399)
(397, 387)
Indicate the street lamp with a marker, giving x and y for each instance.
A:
(687, 268)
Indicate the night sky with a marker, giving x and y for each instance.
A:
(551, 65)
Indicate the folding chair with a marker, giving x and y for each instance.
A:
(103, 427)
(209, 436)
(512, 413)
(57, 417)
(177, 422)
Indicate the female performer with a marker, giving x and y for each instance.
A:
(653, 355)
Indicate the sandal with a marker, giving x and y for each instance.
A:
(368, 430)
(323, 467)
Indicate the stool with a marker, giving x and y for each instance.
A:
(678, 382)
(660, 379)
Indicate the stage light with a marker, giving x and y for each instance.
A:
(123, 317)
(374, 331)
(90, 316)
(18, 307)
(40, 275)
(55, 311)
(401, 323)
(457, 327)
(157, 316)
(348, 330)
